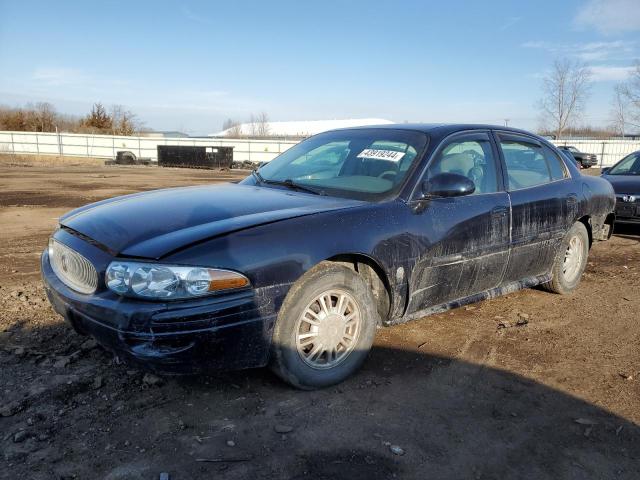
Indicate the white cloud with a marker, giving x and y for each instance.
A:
(58, 76)
(195, 17)
(510, 22)
(587, 52)
(610, 16)
(608, 73)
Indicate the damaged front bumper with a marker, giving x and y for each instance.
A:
(183, 337)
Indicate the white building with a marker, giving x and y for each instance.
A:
(304, 128)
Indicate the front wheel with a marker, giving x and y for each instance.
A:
(570, 261)
(325, 328)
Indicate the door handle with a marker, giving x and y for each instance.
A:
(499, 211)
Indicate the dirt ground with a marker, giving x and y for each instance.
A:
(448, 396)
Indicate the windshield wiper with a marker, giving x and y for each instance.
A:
(256, 174)
(293, 185)
(285, 183)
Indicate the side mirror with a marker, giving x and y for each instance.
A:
(605, 170)
(447, 185)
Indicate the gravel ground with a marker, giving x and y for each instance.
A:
(555, 394)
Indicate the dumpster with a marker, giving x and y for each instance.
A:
(186, 156)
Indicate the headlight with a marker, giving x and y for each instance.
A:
(154, 281)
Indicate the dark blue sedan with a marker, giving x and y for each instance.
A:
(625, 178)
(297, 265)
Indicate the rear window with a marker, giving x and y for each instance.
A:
(556, 165)
(526, 165)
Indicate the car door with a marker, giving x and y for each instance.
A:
(466, 239)
(543, 201)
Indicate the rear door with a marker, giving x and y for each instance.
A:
(466, 238)
(543, 204)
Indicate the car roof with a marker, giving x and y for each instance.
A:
(442, 128)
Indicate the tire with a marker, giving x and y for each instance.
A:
(298, 333)
(566, 278)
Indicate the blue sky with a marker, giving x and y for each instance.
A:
(189, 65)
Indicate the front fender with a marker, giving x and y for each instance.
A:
(280, 253)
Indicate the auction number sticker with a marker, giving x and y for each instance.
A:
(390, 155)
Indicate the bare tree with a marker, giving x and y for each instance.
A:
(42, 117)
(619, 106)
(13, 119)
(45, 117)
(123, 122)
(232, 128)
(262, 125)
(129, 124)
(228, 123)
(253, 125)
(115, 112)
(631, 91)
(565, 90)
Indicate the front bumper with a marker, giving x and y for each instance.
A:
(589, 161)
(183, 337)
(627, 212)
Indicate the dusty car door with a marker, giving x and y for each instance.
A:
(466, 238)
(543, 200)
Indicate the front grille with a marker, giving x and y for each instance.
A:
(75, 271)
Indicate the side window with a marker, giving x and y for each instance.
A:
(471, 157)
(526, 165)
(556, 166)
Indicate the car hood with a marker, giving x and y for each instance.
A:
(153, 224)
(625, 183)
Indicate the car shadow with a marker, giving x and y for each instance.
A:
(405, 414)
(627, 231)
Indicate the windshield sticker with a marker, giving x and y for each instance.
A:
(390, 155)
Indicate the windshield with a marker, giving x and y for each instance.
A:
(629, 165)
(573, 149)
(365, 164)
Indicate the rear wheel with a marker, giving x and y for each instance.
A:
(325, 328)
(570, 261)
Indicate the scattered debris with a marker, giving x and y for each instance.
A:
(164, 476)
(396, 450)
(152, 380)
(62, 362)
(20, 436)
(231, 443)
(585, 421)
(283, 428)
(225, 459)
(12, 408)
(89, 344)
(626, 376)
(520, 322)
(97, 382)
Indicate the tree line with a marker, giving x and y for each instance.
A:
(566, 89)
(43, 117)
